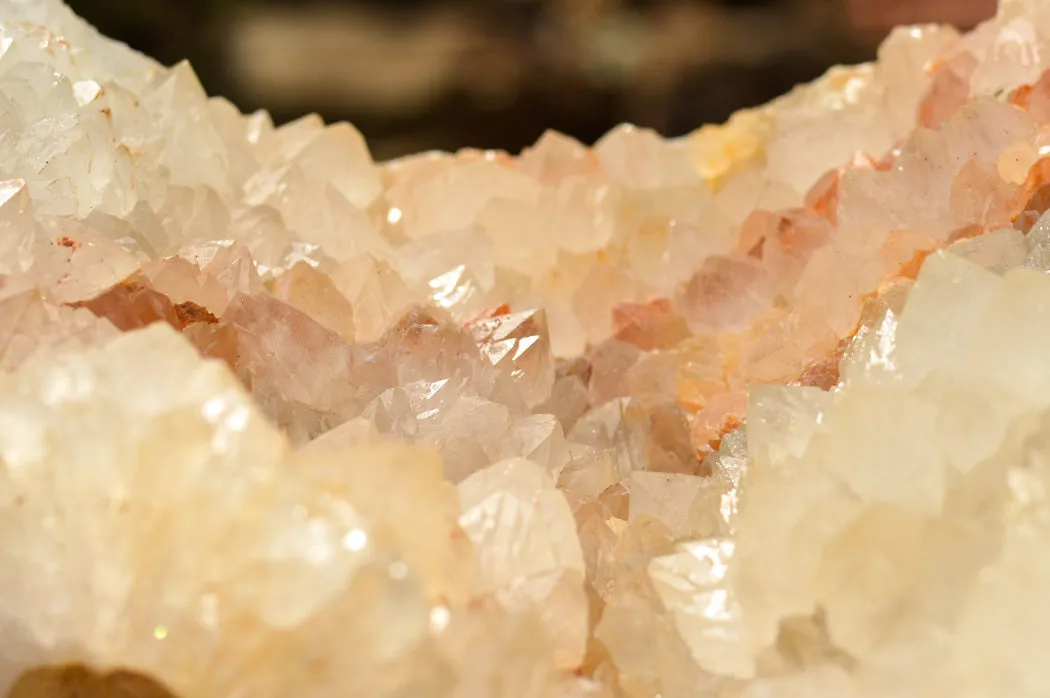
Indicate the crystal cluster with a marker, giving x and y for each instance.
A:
(762, 412)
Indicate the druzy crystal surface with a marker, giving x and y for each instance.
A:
(761, 412)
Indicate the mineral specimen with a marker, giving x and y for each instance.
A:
(762, 412)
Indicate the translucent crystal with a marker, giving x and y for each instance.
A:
(299, 371)
(156, 440)
(757, 412)
(519, 345)
(528, 549)
(314, 293)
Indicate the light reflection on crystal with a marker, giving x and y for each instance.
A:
(451, 288)
(757, 411)
(439, 619)
(355, 540)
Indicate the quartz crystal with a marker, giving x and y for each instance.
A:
(759, 412)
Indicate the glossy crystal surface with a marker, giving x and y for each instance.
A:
(761, 412)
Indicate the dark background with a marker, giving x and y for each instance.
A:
(421, 74)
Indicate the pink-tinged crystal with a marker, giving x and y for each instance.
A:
(721, 414)
(132, 304)
(724, 294)
(670, 447)
(16, 226)
(234, 268)
(214, 341)
(610, 362)
(28, 324)
(569, 398)
(313, 293)
(654, 378)
(518, 344)
(784, 241)
(949, 90)
(638, 158)
(452, 270)
(556, 156)
(306, 377)
(376, 292)
(601, 290)
(823, 197)
(980, 196)
(541, 439)
(823, 373)
(181, 281)
(1034, 99)
(424, 345)
(650, 325)
(1034, 198)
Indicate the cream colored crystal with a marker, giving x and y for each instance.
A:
(147, 534)
(893, 562)
(529, 554)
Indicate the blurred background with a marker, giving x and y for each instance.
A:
(420, 74)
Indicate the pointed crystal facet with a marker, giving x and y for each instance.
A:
(518, 344)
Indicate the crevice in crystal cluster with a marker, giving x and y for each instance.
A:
(80, 682)
(760, 412)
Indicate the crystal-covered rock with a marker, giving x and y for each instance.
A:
(754, 413)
